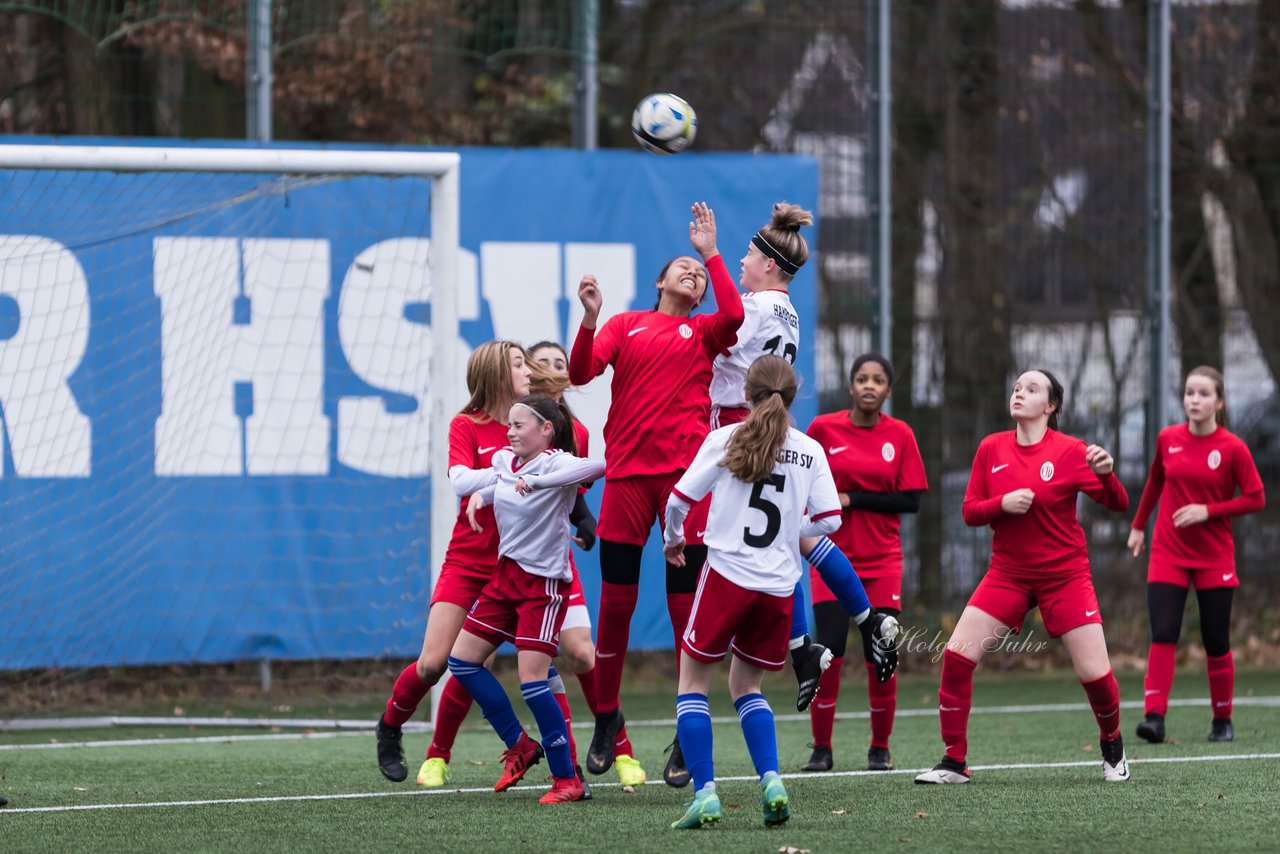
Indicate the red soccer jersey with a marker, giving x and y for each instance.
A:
(1190, 469)
(661, 409)
(472, 445)
(883, 458)
(1047, 539)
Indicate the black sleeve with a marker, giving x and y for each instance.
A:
(584, 524)
(907, 501)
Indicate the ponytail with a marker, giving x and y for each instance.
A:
(753, 449)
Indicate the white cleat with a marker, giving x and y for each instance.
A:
(946, 771)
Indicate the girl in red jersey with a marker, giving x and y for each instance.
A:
(1024, 484)
(497, 376)
(531, 485)
(1197, 469)
(657, 419)
(878, 470)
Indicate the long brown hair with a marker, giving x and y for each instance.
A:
(491, 385)
(753, 448)
(1215, 376)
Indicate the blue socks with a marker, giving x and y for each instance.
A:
(757, 728)
(551, 725)
(837, 573)
(693, 728)
(487, 691)
(799, 613)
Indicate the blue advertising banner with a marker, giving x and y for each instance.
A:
(212, 386)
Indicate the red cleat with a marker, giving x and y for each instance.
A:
(518, 759)
(563, 790)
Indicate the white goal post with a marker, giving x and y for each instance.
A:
(442, 258)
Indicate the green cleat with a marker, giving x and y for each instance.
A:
(773, 797)
(703, 809)
(434, 773)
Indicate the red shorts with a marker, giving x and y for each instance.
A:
(1066, 602)
(723, 416)
(755, 625)
(884, 591)
(1162, 571)
(468, 562)
(630, 506)
(520, 607)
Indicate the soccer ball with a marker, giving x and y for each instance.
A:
(664, 124)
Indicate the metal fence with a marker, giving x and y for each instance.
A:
(1021, 176)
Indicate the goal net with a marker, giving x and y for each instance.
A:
(225, 376)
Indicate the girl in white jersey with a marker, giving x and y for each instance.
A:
(532, 485)
(763, 475)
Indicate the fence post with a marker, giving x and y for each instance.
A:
(879, 163)
(1158, 195)
(258, 79)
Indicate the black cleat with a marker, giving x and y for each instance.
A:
(878, 759)
(809, 661)
(600, 753)
(676, 774)
(819, 760)
(1152, 728)
(391, 753)
(586, 790)
(4, 802)
(882, 630)
(1222, 730)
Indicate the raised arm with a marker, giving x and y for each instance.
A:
(729, 312)
(582, 366)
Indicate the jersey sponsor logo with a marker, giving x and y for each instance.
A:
(888, 452)
(1215, 459)
(1227, 576)
(1046, 472)
(1175, 449)
(686, 331)
(995, 469)
(837, 449)
(896, 597)
(486, 450)
(637, 329)
(1091, 613)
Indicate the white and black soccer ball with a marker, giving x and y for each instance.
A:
(664, 123)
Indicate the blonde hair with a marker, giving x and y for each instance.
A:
(783, 234)
(753, 448)
(1219, 385)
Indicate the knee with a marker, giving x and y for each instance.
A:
(578, 656)
(431, 667)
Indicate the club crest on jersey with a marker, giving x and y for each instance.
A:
(1046, 472)
(686, 331)
(887, 451)
(1215, 459)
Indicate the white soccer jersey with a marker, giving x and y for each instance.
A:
(753, 528)
(533, 529)
(771, 326)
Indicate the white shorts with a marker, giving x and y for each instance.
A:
(576, 617)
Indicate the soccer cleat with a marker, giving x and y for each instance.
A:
(564, 790)
(600, 753)
(586, 790)
(391, 752)
(947, 771)
(878, 759)
(819, 760)
(883, 630)
(434, 773)
(1222, 730)
(1152, 728)
(1115, 767)
(704, 809)
(517, 760)
(629, 771)
(676, 774)
(809, 661)
(774, 800)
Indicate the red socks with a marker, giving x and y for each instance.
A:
(617, 604)
(955, 698)
(679, 606)
(822, 711)
(1159, 678)
(882, 701)
(1222, 683)
(1104, 699)
(455, 702)
(405, 696)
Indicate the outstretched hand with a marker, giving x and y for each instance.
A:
(702, 231)
(591, 299)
